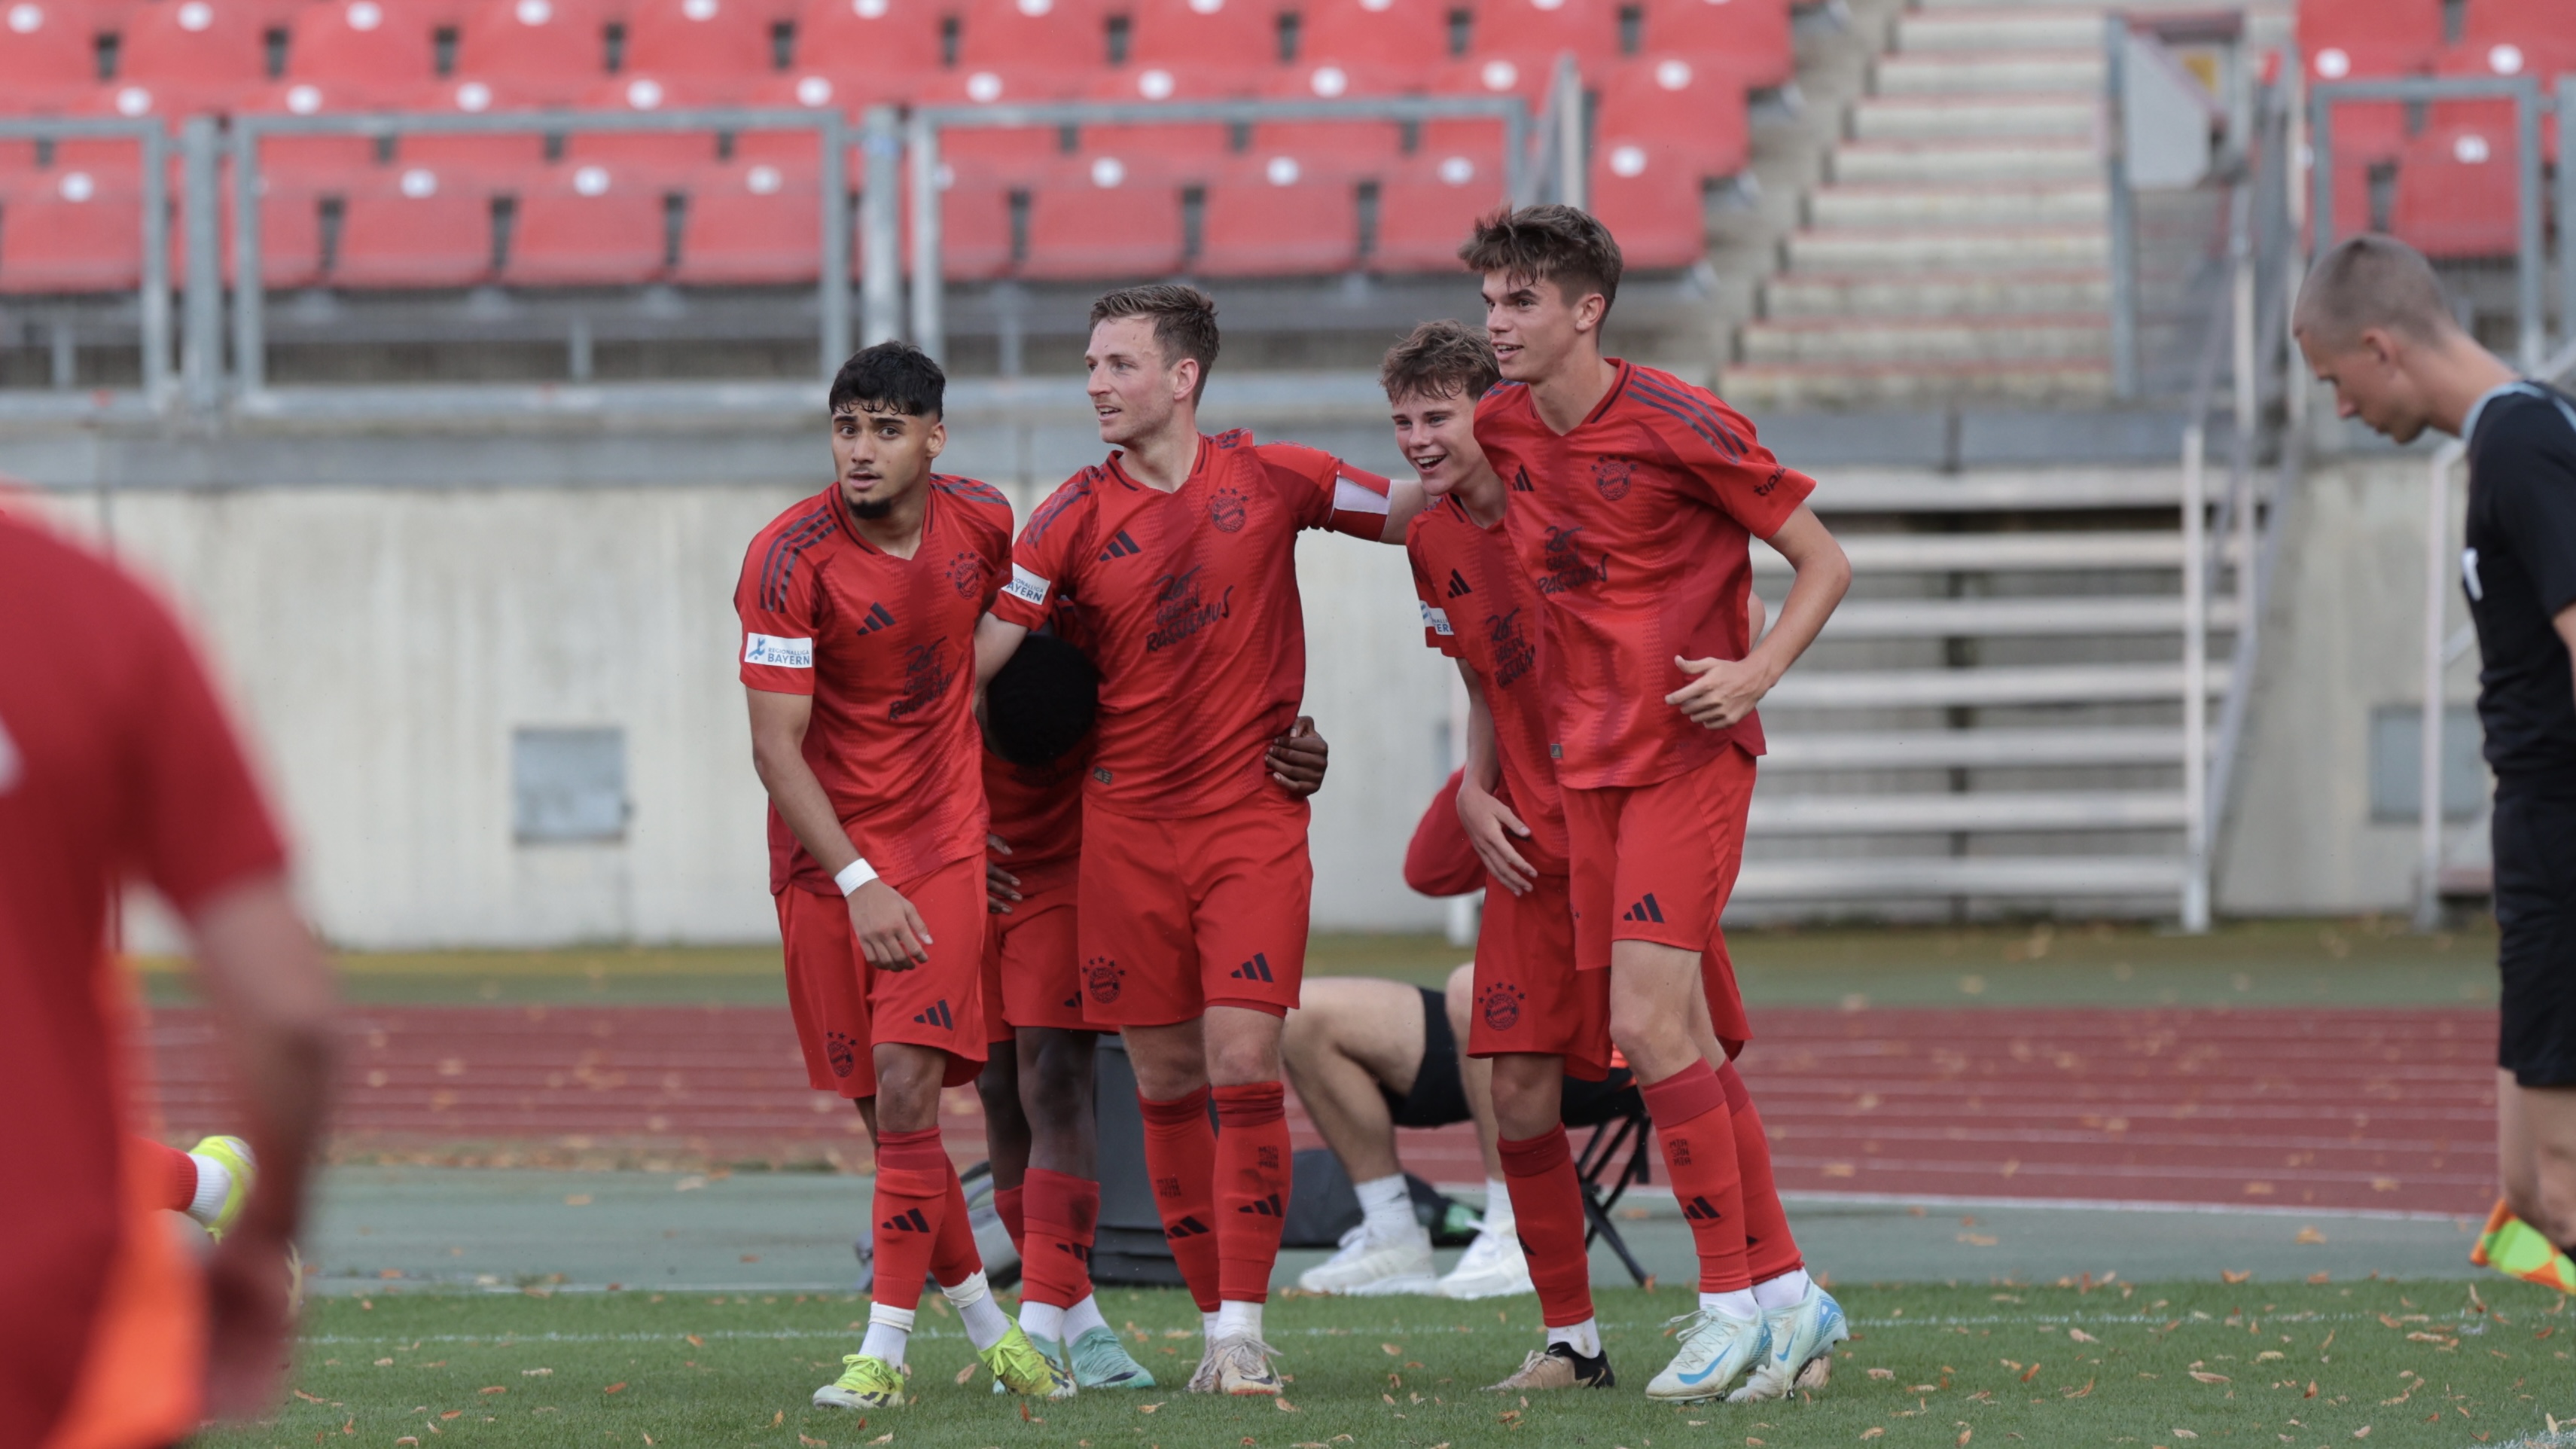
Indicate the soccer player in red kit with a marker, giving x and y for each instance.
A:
(1635, 498)
(117, 766)
(858, 610)
(1194, 878)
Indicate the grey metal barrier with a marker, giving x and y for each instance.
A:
(2172, 112)
(153, 289)
(833, 284)
(928, 275)
(2524, 91)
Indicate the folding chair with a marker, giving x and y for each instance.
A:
(1619, 1125)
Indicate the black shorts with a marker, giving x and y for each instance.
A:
(1439, 1095)
(2535, 905)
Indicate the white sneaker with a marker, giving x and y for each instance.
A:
(1492, 1267)
(1715, 1349)
(1369, 1267)
(1801, 1354)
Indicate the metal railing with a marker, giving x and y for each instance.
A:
(2121, 34)
(153, 285)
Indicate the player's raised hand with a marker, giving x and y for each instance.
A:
(1297, 758)
(891, 933)
(1000, 886)
(1491, 829)
(1725, 691)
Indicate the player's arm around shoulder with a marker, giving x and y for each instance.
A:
(1343, 498)
(1040, 561)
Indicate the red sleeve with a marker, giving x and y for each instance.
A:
(1439, 861)
(780, 610)
(204, 826)
(1327, 492)
(1436, 630)
(1723, 464)
(1042, 561)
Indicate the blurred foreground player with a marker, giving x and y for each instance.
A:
(858, 610)
(210, 1183)
(1194, 881)
(1635, 498)
(2374, 323)
(118, 766)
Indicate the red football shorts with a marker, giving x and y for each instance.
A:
(1182, 915)
(843, 1006)
(1031, 954)
(1529, 997)
(1657, 863)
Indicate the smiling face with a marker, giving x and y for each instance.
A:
(1536, 330)
(1135, 391)
(2372, 381)
(881, 456)
(1437, 435)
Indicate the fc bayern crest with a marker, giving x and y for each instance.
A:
(1611, 476)
(1103, 977)
(842, 1052)
(1226, 511)
(1502, 1005)
(966, 571)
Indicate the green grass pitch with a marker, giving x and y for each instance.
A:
(2170, 1364)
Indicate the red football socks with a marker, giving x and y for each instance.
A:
(1547, 1201)
(912, 1206)
(955, 1258)
(1251, 1188)
(1007, 1202)
(174, 1175)
(1769, 1248)
(1179, 1147)
(1055, 1268)
(1698, 1136)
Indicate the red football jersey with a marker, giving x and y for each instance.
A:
(1479, 607)
(1037, 809)
(1635, 529)
(886, 647)
(116, 764)
(1191, 601)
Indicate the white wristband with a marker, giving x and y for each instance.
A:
(854, 875)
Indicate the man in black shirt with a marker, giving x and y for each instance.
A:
(2373, 322)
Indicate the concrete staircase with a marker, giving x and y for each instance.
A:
(1993, 721)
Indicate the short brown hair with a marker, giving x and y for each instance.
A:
(2371, 281)
(1184, 321)
(1440, 359)
(1551, 243)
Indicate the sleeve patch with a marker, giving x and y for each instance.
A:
(778, 653)
(1353, 496)
(1437, 621)
(1028, 587)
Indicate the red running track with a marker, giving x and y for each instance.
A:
(2381, 1109)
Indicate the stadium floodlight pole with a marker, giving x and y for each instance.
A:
(2428, 764)
(928, 267)
(201, 358)
(880, 221)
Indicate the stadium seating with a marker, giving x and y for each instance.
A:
(1191, 147)
(665, 153)
(1090, 221)
(975, 228)
(593, 226)
(423, 229)
(725, 45)
(458, 155)
(1230, 45)
(1680, 107)
(1021, 152)
(872, 47)
(295, 160)
(1651, 197)
(1537, 31)
(1424, 210)
(188, 56)
(376, 50)
(750, 223)
(1400, 35)
(1035, 35)
(2456, 194)
(1344, 143)
(1749, 37)
(69, 231)
(1275, 216)
(553, 51)
(47, 57)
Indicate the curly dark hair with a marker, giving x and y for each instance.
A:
(1549, 243)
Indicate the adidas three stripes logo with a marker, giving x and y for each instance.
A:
(1258, 968)
(909, 1220)
(936, 1016)
(879, 617)
(1120, 546)
(1265, 1207)
(1645, 910)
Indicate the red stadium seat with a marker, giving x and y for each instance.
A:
(665, 153)
(70, 231)
(426, 229)
(2363, 39)
(1426, 211)
(1194, 146)
(552, 50)
(1410, 35)
(48, 57)
(1280, 217)
(1539, 30)
(188, 56)
(293, 159)
(1023, 152)
(591, 226)
(1036, 35)
(1347, 143)
(804, 91)
(2506, 41)
(1234, 43)
(724, 43)
(876, 46)
(1684, 107)
(377, 49)
(1651, 199)
(1080, 228)
(1748, 37)
(2456, 195)
(974, 226)
(290, 236)
(751, 224)
(1492, 76)
(458, 155)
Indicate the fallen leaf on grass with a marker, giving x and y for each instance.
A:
(882, 1439)
(812, 1443)
(1882, 1373)
(2206, 1377)
(495, 1389)
(536, 1373)
(966, 1373)
(2184, 1434)
(2362, 1433)
(453, 1414)
(1393, 1350)
(778, 1418)
(1964, 1436)
(695, 1341)
(2235, 1275)
(2080, 1336)
(2320, 1279)
(1283, 1406)
(616, 1388)
(579, 1199)
(2030, 1373)
(308, 1398)
(1873, 1432)
(1147, 1408)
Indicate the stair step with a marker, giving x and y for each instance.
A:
(1956, 294)
(1959, 688)
(2052, 551)
(1908, 490)
(1997, 28)
(2016, 618)
(1937, 813)
(2013, 204)
(2020, 160)
(1969, 72)
(1970, 749)
(1948, 339)
(1794, 386)
(1881, 118)
(1918, 876)
(1843, 251)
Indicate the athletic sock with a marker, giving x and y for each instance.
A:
(1007, 1203)
(1386, 1206)
(1499, 1215)
(1208, 1325)
(1546, 1205)
(1251, 1187)
(1083, 1317)
(1698, 1137)
(1055, 1266)
(1584, 1338)
(1239, 1319)
(911, 1206)
(1041, 1320)
(1180, 1153)
(889, 1333)
(214, 1184)
(1786, 1291)
(954, 1255)
(1734, 1303)
(174, 1175)
(983, 1318)
(1770, 1249)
